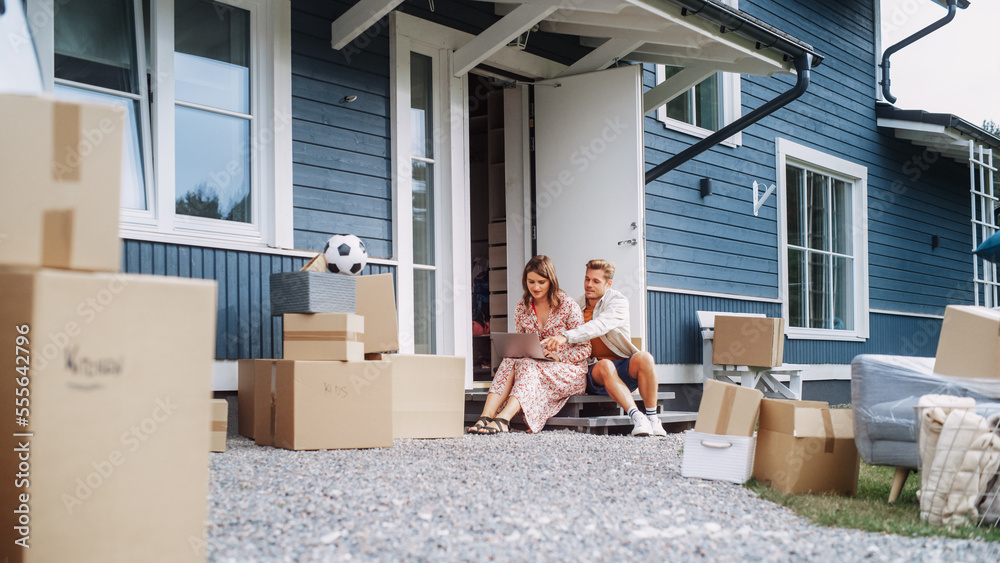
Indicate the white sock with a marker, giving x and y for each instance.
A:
(650, 411)
(634, 414)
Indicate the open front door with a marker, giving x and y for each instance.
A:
(589, 180)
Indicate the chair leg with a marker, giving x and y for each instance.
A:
(898, 480)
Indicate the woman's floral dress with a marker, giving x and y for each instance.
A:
(543, 387)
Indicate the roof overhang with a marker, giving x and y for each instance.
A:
(701, 36)
(945, 133)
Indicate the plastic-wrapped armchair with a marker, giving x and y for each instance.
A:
(884, 392)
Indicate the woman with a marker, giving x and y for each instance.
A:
(539, 388)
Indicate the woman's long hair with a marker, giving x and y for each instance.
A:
(542, 266)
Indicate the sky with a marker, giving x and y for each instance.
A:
(953, 70)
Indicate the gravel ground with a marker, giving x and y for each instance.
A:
(554, 496)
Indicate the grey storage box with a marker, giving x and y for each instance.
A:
(312, 292)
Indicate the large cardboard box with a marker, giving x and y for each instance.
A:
(62, 178)
(324, 337)
(728, 409)
(969, 345)
(428, 395)
(323, 405)
(806, 447)
(220, 423)
(244, 398)
(377, 304)
(115, 392)
(748, 341)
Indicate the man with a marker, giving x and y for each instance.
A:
(617, 367)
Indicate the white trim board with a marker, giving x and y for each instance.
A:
(673, 374)
(695, 292)
(906, 314)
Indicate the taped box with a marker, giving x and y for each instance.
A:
(748, 341)
(322, 405)
(377, 304)
(220, 422)
(324, 337)
(62, 167)
(721, 446)
(244, 398)
(806, 447)
(113, 414)
(969, 345)
(428, 395)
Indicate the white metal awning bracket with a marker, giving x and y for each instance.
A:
(758, 200)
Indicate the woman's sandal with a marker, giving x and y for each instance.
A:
(503, 426)
(477, 428)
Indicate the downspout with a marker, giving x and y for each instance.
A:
(802, 64)
(952, 9)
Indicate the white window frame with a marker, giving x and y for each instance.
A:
(732, 105)
(270, 132)
(789, 152)
(452, 278)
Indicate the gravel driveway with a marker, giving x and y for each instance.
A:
(555, 496)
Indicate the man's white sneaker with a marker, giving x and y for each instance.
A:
(641, 426)
(656, 425)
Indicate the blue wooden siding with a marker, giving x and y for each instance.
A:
(245, 327)
(675, 337)
(716, 244)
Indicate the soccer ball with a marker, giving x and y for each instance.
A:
(345, 254)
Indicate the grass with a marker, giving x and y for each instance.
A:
(870, 510)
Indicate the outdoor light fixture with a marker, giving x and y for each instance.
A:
(521, 41)
(706, 187)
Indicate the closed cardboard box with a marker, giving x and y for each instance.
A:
(377, 304)
(806, 447)
(498, 304)
(498, 256)
(748, 341)
(498, 279)
(323, 405)
(728, 409)
(498, 232)
(969, 345)
(115, 391)
(220, 421)
(62, 181)
(244, 398)
(324, 336)
(428, 395)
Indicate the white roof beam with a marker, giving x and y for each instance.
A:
(497, 36)
(675, 85)
(357, 19)
(743, 66)
(602, 57)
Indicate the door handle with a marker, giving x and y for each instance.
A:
(630, 241)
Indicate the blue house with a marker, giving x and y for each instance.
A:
(457, 138)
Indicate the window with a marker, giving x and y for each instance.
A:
(701, 106)
(423, 166)
(824, 233)
(198, 81)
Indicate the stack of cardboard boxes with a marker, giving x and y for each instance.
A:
(337, 387)
(105, 456)
(798, 447)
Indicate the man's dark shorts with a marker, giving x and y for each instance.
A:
(621, 366)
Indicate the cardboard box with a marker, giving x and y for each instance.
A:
(497, 232)
(498, 304)
(62, 167)
(499, 324)
(719, 458)
(312, 292)
(969, 345)
(120, 384)
(323, 405)
(498, 256)
(220, 422)
(377, 304)
(428, 395)
(498, 279)
(805, 446)
(324, 336)
(728, 409)
(244, 398)
(748, 341)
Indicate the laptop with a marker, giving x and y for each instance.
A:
(519, 345)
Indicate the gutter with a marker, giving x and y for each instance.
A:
(884, 65)
(802, 64)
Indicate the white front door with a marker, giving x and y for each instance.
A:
(589, 180)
